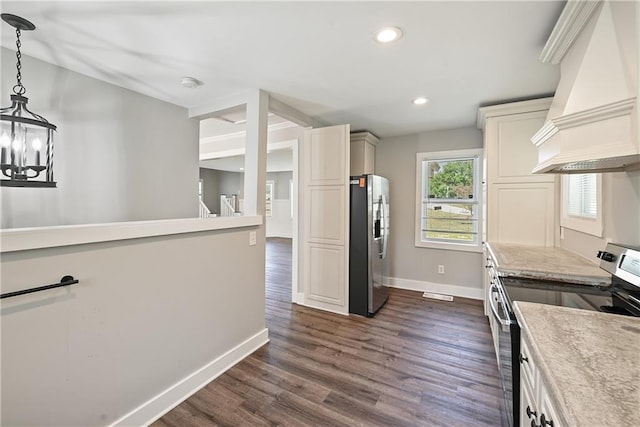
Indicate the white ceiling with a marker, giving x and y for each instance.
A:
(318, 57)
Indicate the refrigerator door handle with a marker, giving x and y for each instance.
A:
(385, 226)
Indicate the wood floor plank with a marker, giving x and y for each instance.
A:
(418, 362)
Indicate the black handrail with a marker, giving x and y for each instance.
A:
(65, 281)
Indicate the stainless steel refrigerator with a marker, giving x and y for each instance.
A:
(369, 239)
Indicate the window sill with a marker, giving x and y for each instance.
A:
(461, 247)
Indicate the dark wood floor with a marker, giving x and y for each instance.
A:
(418, 362)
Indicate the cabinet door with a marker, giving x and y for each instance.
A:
(511, 156)
(325, 232)
(548, 414)
(369, 158)
(486, 280)
(528, 410)
(357, 157)
(521, 213)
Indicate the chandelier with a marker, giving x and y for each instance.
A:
(26, 138)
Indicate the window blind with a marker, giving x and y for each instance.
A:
(582, 196)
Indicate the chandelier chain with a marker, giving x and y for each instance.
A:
(19, 89)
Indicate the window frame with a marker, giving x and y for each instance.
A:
(477, 156)
(583, 224)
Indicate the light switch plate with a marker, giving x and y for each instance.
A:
(252, 238)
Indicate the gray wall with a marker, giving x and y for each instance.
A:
(281, 183)
(396, 160)
(621, 216)
(231, 183)
(210, 182)
(119, 155)
(146, 314)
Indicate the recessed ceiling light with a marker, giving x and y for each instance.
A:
(388, 34)
(190, 82)
(420, 100)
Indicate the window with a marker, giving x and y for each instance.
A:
(267, 210)
(448, 201)
(582, 203)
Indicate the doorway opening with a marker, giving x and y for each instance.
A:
(222, 159)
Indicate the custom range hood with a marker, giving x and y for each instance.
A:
(592, 125)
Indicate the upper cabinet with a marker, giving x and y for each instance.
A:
(592, 124)
(520, 206)
(363, 153)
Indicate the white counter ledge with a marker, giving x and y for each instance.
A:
(22, 239)
(589, 362)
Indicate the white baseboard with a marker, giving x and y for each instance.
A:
(159, 405)
(438, 288)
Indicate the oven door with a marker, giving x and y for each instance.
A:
(508, 332)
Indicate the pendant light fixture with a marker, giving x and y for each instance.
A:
(26, 138)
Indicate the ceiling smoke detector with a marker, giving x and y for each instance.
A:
(190, 82)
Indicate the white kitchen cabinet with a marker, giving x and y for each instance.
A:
(324, 196)
(363, 153)
(521, 206)
(490, 275)
(536, 405)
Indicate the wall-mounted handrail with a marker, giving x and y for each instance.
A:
(65, 281)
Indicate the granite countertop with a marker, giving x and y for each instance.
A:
(589, 362)
(546, 263)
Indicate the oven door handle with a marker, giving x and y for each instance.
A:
(504, 323)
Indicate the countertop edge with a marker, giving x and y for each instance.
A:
(21, 239)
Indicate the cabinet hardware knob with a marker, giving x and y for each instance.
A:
(530, 413)
(544, 422)
(523, 358)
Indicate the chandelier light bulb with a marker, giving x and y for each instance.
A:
(5, 141)
(17, 144)
(36, 144)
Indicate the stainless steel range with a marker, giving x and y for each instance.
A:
(621, 297)
(623, 262)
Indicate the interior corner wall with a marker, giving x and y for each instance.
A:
(396, 160)
(119, 155)
(621, 216)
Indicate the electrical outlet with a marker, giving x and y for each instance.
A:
(441, 269)
(252, 238)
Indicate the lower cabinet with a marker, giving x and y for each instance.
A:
(536, 406)
(489, 273)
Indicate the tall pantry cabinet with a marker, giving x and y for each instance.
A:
(520, 206)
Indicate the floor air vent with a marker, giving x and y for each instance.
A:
(440, 297)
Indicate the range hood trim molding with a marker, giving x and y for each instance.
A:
(573, 19)
(592, 115)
